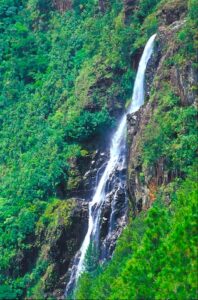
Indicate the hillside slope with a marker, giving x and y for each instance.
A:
(67, 73)
(156, 256)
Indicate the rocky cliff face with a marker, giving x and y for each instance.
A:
(59, 235)
(129, 7)
(143, 181)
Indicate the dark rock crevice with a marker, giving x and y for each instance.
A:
(129, 7)
(143, 182)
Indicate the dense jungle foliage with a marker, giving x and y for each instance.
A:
(50, 62)
(65, 77)
(156, 256)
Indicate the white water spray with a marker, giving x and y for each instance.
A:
(116, 159)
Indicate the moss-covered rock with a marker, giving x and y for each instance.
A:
(162, 134)
(59, 234)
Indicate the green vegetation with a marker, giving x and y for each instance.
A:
(48, 230)
(171, 135)
(64, 79)
(188, 35)
(63, 76)
(156, 257)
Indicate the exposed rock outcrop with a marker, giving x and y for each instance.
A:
(143, 182)
(62, 5)
(172, 11)
(85, 172)
(114, 214)
(129, 7)
(58, 242)
(103, 4)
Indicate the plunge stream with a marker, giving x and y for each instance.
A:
(109, 178)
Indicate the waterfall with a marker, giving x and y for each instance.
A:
(116, 162)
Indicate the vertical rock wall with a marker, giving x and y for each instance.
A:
(143, 182)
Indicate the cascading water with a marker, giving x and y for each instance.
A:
(112, 174)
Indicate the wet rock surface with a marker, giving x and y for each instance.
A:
(113, 213)
(85, 172)
(114, 218)
(152, 67)
(59, 245)
(92, 176)
(141, 184)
